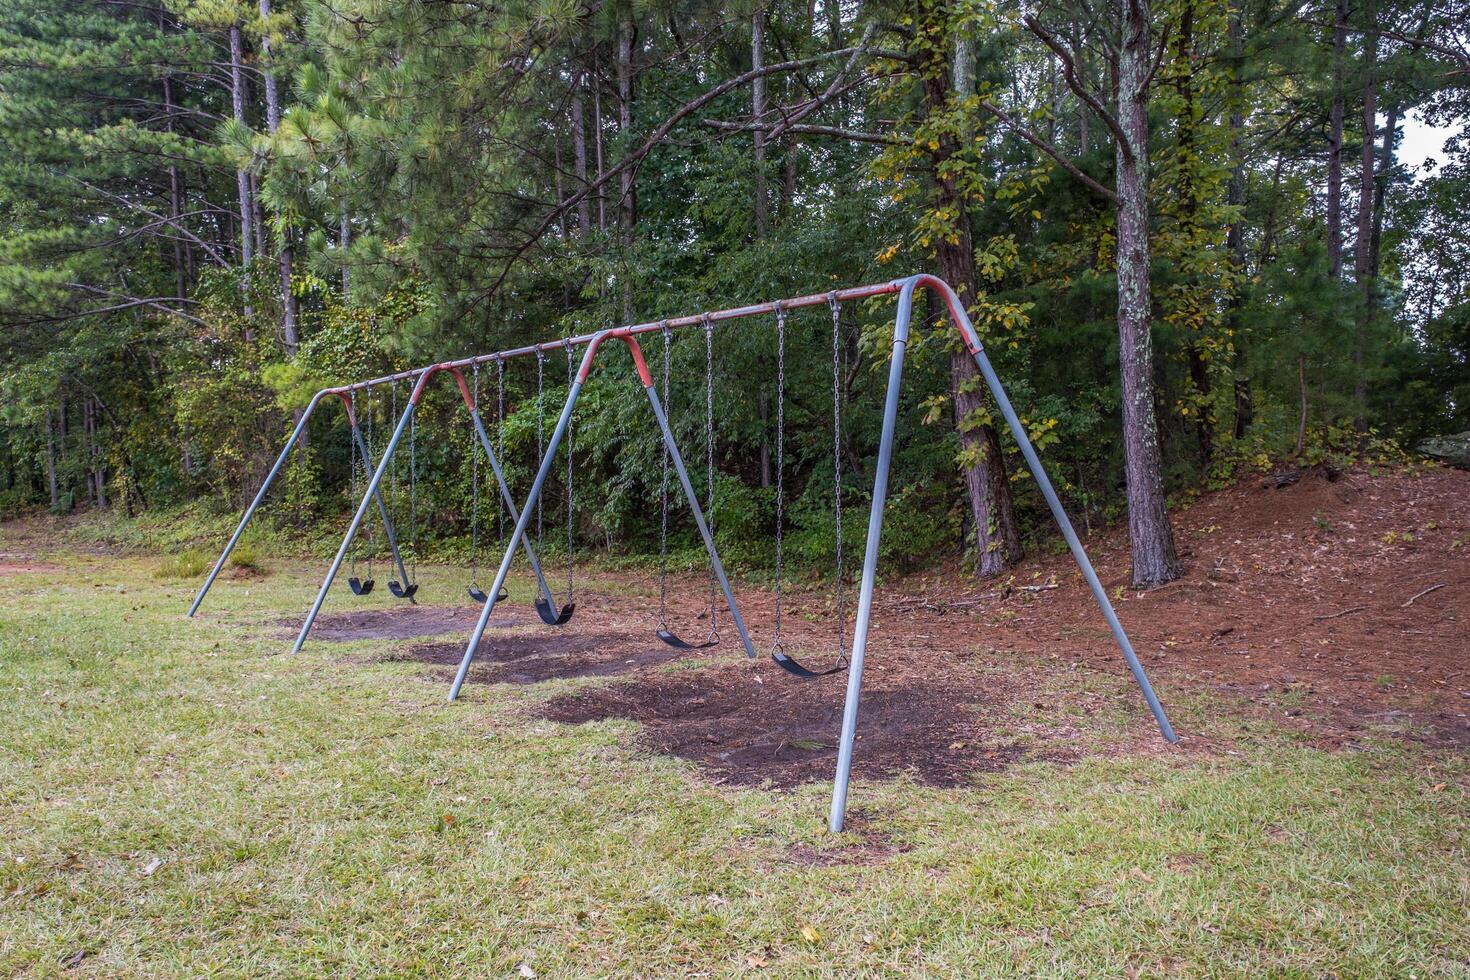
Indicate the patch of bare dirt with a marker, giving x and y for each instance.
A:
(761, 725)
(553, 653)
(1332, 604)
(400, 622)
(21, 565)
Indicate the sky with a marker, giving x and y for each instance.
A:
(1422, 142)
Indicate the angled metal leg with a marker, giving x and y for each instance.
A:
(709, 541)
(870, 566)
(510, 504)
(362, 507)
(367, 464)
(255, 504)
(527, 509)
(875, 528)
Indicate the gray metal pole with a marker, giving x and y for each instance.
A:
(367, 464)
(870, 563)
(1063, 522)
(522, 521)
(367, 497)
(875, 527)
(709, 541)
(525, 539)
(259, 496)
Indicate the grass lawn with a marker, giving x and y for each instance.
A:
(181, 798)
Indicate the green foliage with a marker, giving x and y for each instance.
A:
(410, 189)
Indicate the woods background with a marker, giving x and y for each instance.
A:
(1183, 228)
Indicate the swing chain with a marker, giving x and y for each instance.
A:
(663, 493)
(351, 411)
(500, 442)
(367, 472)
(413, 487)
(475, 485)
(540, 435)
(836, 305)
(709, 462)
(776, 643)
(571, 379)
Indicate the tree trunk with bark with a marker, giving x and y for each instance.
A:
(242, 179)
(1363, 252)
(1334, 142)
(987, 486)
(757, 111)
(1155, 560)
(579, 154)
(290, 332)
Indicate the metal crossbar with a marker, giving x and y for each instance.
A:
(905, 289)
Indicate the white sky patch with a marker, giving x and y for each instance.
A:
(1423, 142)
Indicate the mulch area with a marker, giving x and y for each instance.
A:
(1334, 604)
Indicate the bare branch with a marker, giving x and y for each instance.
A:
(1069, 72)
(832, 89)
(1049, 150)
(806, 128)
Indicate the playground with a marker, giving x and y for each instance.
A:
(181, 797)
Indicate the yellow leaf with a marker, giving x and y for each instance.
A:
(810, 935)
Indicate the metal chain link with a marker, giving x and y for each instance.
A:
(780, 466)
(571, 377)
(352, 410)
(540, 436)
(413, 486)
(500, 444)
(663, 492)
(475, 485)
(709, 463)
(841, 596)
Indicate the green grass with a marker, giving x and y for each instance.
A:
(180, 798)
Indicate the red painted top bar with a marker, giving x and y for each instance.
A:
(627, 333)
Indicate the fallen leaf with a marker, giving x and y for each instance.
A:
(525, 970)
(810, 935)
(448, 819)
(68, 962)
(758, 962)
(1436, 787)
(153, 866)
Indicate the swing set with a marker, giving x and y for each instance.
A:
(849, 659)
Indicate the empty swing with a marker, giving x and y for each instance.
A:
(663, 632)
(476, 593)
(410, 585)
(778, 651)
(549, 614)
(361, 586)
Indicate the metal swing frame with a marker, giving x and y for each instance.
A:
(420, 377)
(904, 289)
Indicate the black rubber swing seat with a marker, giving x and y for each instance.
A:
(793, 666)
(679, 643)
(360, 586)
(550, 616)
(403, 592)
(479, 595)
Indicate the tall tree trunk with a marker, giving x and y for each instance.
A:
(579, 154)
(175, 198)
(344, 243)
(597, 148)
(1235, 198)
(758, 111)
(51, 484)
(1380, 192)
(1334, 141)
(242, 179)
(1363, 252)
(1155, 560)
(986, 483)
(627, 201)
(284, 258)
